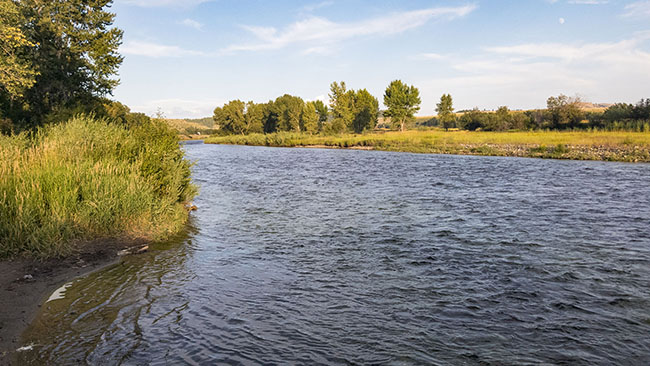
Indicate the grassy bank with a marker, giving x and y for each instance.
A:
(579, 145)
(87, 179)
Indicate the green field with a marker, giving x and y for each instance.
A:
(578, 145)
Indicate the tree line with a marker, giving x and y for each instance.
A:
(58, 59)
(348, 111)
(358, 111)
(561, 113)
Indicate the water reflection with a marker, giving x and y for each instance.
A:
(107, 307)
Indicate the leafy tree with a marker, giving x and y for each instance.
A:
(366, 109)
(17, 71)
(618, 112)
(254, 117)
(500, 120)
(321, 109)
(473, 120)
(270, 117)
(342, 107)
(564, 111)
(230, 118)
(445, 111)
(309, 118)
(74, 59)
(402, 102)
(288, 110)
(121, 114)
(642, 109)
(519, 120)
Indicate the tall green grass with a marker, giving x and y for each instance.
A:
(86, 179)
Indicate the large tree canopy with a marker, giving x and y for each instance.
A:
(366, 109)
(68, 47)
(402, 101)
(342, 106)
(17, 71)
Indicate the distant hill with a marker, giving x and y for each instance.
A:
(202, 126)
(205, 121)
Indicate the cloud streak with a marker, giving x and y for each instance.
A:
(600, 71)
(639, 9)
(324, 31)
(191, 23)
(155, 50)
(163, 3)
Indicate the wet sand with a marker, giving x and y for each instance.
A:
(26, 284)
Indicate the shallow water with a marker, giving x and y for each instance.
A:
(309, 256)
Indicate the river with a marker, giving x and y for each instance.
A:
(315, 256)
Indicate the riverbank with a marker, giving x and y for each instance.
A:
(576, 145)
(25, 284)
(85, 179)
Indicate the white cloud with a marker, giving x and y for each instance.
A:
(323, 98)
(163, 3)
(640, 9)
(588, 2)
(148, 49)
(528, 73)
(431, 56)
(322, 30)
(191, 23)
(179, 108)
(582, 2)
(316, 6)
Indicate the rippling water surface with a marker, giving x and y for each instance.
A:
(305, 256)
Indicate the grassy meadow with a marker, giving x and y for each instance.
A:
(578, 145)
(87, 179)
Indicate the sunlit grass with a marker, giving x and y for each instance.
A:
(86, 179)
(591, 145)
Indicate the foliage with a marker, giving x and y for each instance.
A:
(323, 113)
(445, 111)
(17, 71)
(564, 111)
(74, 59)
(402, 102)
(87, 178)
(366, 109)
(309, 118)
(254, 118)
(342, 107)
(288, 110)
(230, 117)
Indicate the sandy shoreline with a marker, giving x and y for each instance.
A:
(26, 284)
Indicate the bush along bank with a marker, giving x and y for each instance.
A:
(87, 179)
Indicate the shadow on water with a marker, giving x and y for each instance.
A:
(107, 306)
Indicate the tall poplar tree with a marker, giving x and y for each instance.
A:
(445, 111)
(402, 101)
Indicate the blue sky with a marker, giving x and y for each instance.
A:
(187, 57)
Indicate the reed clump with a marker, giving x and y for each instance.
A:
(87, 179)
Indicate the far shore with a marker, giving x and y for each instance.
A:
(620, 146)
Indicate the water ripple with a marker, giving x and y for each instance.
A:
(313, 257)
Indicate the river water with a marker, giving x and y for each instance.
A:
(312, 256)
